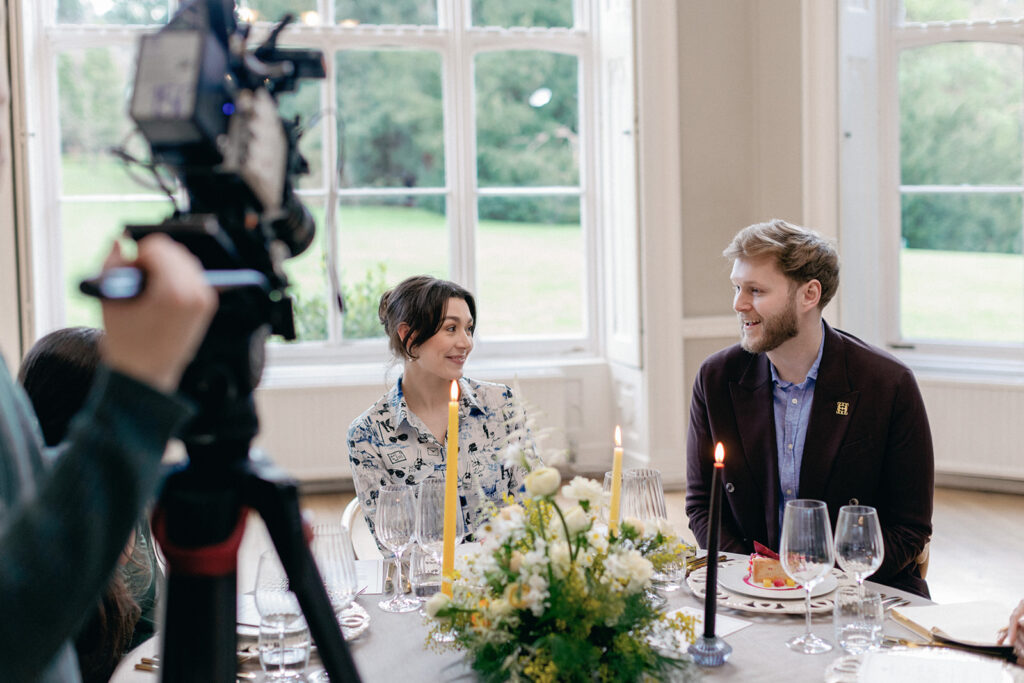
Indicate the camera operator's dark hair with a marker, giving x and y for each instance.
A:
(420, 302)
(57, 373)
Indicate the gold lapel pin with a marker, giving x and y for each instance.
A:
(842, 408)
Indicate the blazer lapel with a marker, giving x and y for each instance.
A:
(833, 408)
(752, 400)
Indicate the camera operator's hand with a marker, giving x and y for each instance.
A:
(155, 336)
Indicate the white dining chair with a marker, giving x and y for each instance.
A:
(365, 546)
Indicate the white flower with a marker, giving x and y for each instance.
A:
(629, 569)
(577, 520)
(543, 482)
(560, 557)
(637, 524)
(659, 525)
(580, 489)
(436, 603)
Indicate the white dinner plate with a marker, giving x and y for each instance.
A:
(921, 664)
(734, 578)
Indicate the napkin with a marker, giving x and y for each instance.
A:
(974, 625)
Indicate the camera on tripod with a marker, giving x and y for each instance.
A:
(207, 105)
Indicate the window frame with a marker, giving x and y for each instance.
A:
(871, 39)
(458, 46)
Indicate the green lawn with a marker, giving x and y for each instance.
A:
(515, 295)
(957, 296)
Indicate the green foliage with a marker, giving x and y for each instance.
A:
(362, 299)
(960, 108)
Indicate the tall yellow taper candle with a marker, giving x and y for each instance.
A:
(451, 492)
(613, 506)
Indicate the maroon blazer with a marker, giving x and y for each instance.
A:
(868, 443)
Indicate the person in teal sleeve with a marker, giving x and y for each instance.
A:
(56, 374)
(66, 515)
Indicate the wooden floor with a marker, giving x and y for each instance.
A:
(975, 551)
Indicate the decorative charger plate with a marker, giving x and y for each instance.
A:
(354, 619)
(735, 578)
(697, 581)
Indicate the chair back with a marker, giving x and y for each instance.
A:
(363, 542)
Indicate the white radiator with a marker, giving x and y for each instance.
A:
(978, 429)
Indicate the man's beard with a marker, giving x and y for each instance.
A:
(775, 330)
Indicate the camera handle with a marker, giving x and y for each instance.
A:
(204, 513)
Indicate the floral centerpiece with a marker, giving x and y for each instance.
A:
(553, 595)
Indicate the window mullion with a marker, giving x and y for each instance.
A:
(460, 141)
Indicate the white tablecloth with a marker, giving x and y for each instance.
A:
(394, 648)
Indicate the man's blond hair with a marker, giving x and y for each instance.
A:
(801, 254)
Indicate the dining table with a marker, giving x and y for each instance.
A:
(397, 647)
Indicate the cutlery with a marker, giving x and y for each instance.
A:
(894, 601)
(698, 562)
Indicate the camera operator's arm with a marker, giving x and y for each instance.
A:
(63, 526)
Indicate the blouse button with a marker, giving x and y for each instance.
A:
(729, 488)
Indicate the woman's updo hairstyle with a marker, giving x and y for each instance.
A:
(420, 302)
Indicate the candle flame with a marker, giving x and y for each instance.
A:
(618, 435)
(719, 452)
(455, 390)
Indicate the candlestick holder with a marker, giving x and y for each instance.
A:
(711, 651)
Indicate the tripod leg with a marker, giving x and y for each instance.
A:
(199, 527)
(275, 496)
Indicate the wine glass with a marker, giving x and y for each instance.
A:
(332, 550)
(807, 556)
(278, 606)
(859, 546)
(394, 525)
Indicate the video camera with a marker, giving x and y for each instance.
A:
(207, 106)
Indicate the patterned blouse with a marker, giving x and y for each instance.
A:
(388, 444)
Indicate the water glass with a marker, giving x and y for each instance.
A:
(643, 497)
(335, 559)
(284, 636)
(424, 572)
(858, 619)
(284, 651)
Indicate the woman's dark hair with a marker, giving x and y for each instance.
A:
(420, 302)
(57, 374)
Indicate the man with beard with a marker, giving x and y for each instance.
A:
(806, 411)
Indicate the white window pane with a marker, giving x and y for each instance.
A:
(87, 231)
(390, 119)
(304, 102)
(960, 114)
(527, 111)
(546, 13)
(961, 10)
(385, 11)
(307, 277)
(961, 269)
(530, 267)
(114, 11)
(380, 243)
(93, 87)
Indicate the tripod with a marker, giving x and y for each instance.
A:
(200, 518)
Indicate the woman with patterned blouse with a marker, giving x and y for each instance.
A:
(402, 437)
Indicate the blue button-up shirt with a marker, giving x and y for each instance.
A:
(792, 404)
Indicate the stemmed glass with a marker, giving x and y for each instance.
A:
(394, 525)
(278, 606)
(335, 558)
(859, 546)
(807, 555)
